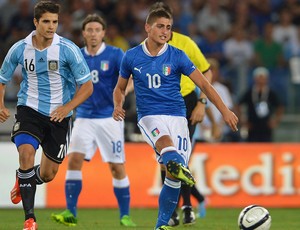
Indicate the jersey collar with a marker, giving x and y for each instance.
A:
(28, 39)
(146, 51)
(101, 49)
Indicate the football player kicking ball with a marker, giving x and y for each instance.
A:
(196, 109)
(156, 68)
(94, 126)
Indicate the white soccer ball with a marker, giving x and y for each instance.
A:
(254, 217)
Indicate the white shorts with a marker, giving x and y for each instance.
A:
(105, 134)
(155, 126)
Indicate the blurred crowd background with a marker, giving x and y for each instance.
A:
(240, 34)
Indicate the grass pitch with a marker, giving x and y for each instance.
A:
(216, 219)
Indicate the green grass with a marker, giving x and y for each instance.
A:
(216, 219)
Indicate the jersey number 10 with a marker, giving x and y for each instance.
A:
(153, 81)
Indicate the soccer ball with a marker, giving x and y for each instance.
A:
(254, 217)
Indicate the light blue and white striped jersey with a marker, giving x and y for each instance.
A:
(104, 67)
(49, 76)
(157, 79)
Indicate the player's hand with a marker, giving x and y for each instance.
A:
(60, 113)
(231, 120)
(119, 113)
(198, 114)
(4, 114)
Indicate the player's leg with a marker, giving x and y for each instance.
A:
(111, 144)
(156, 131)
(25, 151)
(186, 191)
(169, 195)
(168, 135)
(201, 202)
(168, 200)
(82, 147)
(188, 217)
(54, 145)
(174, 153)
(194, 192)
(174, 220)
(73, 181)
(121, 188)
(27, 137)
(26, 177)
(73, 186)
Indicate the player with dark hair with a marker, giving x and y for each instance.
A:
(52, 68)
(156, 69)
(196, 107)
(94, 126)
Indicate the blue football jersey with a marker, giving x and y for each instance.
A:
(104, 67)
(49, 76)
(157, 79)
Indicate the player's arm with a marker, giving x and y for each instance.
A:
(198, 112)
(84, 91)
(197, 57)
(200, 80)
(9, 65)
(4, 112)
(208, 75)
(119, 98)
(215, 128)
(129, 87)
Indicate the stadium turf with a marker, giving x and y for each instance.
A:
(216, 219)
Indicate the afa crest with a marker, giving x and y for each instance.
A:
(53, 65)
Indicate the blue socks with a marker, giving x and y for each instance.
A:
(73, 186)
(72, 190)
(168, 200)
(171, 155)
(122, 193)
